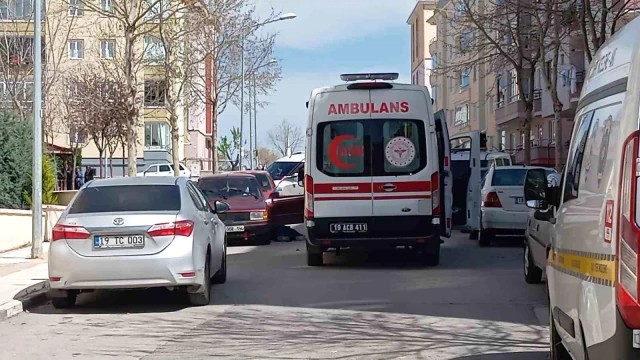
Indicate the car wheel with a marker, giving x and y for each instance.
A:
(314, 255)
(204, 296)
(556, 349)
(221, 275)
(65, 302)
(532, 273)
(473, 235)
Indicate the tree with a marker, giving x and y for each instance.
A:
(499, 37)
(49, 179)
(265, 157)
(74, 119)
(231, 27)
(286, 138)
(135, 21)
(230, 148)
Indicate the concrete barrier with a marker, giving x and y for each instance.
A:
(16, 226)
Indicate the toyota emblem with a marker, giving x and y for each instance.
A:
(118, 221)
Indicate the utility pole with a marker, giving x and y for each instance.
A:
(241, 102)
(255, 121)
(36, 196)
(250, 127)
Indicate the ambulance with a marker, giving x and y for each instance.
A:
(594, 216)
(376, 171)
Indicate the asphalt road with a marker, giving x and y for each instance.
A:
(475, 305)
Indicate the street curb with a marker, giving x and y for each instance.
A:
(26, 299)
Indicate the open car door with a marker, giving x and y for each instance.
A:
(444, 166)
(465, 169)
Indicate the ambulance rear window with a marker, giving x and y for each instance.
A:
(376, 147)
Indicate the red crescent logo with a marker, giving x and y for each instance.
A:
(333, 151)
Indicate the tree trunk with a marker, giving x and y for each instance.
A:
(527, 134)
(175, 137)
(132, 123)
(111, 163)
(214, 141)
(557, 120)
(101, 153)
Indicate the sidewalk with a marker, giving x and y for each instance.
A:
(22, 280)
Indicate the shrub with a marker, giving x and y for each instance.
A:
(48, 182)
(15, 160)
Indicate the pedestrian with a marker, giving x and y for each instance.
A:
(88, 174)
(69, 176)
(79, 177)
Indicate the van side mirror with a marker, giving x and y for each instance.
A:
(301, 177)
(275, 195)
(536, 189)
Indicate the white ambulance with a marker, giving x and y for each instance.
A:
(592, 263)
(376, 168)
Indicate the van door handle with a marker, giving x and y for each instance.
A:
(389, 187)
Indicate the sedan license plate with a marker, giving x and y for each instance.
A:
(235, 228)
(348, 228)
(519, 200)
(118, 242)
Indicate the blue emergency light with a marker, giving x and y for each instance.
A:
(369, 76)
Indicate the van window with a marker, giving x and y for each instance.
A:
(576, 155)
(378, 147)
(280, 169)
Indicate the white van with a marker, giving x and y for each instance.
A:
(592, 263)
(284, 172)
(376, 168)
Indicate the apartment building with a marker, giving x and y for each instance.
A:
(461, 91)
(75, 35)
(421, 34)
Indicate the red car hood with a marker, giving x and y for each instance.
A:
(239, 204)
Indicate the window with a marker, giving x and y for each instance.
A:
(157, 136)
(466, 39)
(371, 147)
(76, 8)
(264, 182)
(119, 199)
(512, 141)
(107, 49)
(230, 186)
(549, 64)
(508, 177)
(459, 10)
(462, 115)
(106, 5)
(197, 201)
(153, 50)
(540, 135)
(157, 8)
(281, 169)
(76, 49)
(576, 154)
(16, 9)
(464, 78)
(552, 127)
(503, 140)
(434, 61)
(522, 139)
(513, 85)
(154, 93)
(434, 93)
(475, 73)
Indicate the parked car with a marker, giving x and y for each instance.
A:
(284, 172)
(267, 185)
(537, 241)
(503, 210)
(247, 220)
(164, 170)
(138, 233)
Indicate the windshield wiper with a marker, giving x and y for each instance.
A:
(243, 192)
(215, 192)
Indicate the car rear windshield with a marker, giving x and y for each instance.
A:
(264, 182)
(508, 177)
(281, 169)
(126, 198)
(377, 147)
(229, 187)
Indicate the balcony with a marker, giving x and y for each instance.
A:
(513, 109)
(542, 154)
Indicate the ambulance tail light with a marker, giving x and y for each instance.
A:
(435, 193)
(628, 233)
(491, 200)
(308, 197)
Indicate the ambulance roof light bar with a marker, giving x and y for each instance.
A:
(369, 76)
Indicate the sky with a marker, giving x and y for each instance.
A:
(326, 39)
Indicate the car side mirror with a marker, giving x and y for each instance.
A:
(274, 195)
(221, 207)
(301, 177)
(536, 189)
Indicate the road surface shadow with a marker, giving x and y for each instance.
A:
(543, 355)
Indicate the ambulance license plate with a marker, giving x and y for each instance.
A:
(348, 228)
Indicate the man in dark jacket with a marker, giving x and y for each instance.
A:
(89, 174)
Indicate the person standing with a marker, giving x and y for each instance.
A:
(79, 178)
(88, 174)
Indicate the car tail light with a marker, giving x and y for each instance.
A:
(308, 197)
(435, 193)
(177, 228)
(491, 200)
(628, 234)
(69, 232)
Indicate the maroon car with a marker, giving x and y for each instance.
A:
(267, 185)
(247, 220)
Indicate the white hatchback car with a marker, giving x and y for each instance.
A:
(503, 210)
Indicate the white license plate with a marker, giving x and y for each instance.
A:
(118, 242)
(519, 200)
(348, 228)
(235, 228)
